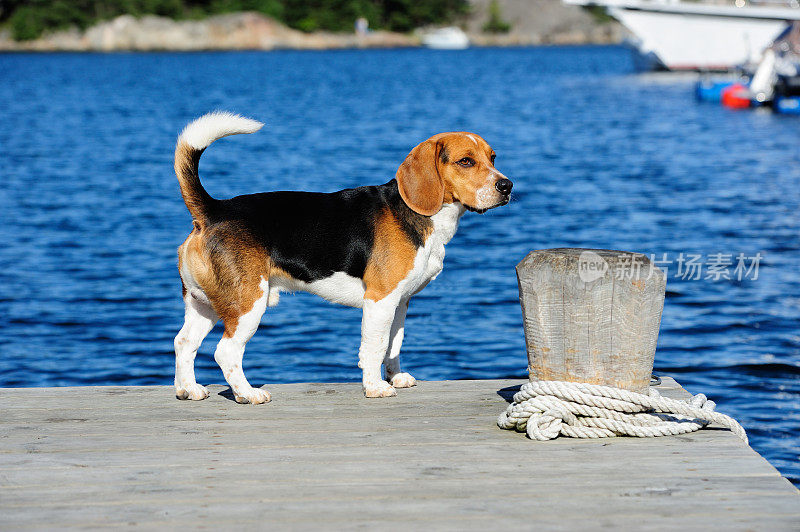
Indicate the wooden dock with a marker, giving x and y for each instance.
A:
(321, 456)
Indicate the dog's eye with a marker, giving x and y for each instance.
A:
(466, 162)
(493, 156)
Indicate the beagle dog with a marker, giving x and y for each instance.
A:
(370, 247)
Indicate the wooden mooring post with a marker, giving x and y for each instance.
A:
(591, 315)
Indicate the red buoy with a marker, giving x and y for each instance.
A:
(737, 96)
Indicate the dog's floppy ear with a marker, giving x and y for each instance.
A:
(418, 179)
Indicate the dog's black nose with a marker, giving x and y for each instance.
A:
(504, 186)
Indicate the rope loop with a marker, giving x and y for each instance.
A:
(545, 409)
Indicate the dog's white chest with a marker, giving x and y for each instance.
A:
(430, 257)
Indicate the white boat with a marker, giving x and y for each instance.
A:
(450, 38)
(698, 35)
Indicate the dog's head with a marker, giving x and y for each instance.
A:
(451, 167)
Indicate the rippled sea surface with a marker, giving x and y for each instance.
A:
(600, 156)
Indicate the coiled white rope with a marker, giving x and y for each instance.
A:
(545, 409)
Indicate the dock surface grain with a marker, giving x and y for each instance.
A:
(323, 456)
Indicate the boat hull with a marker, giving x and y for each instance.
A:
(698, 42)
(698, 36)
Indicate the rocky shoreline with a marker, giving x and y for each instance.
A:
(253, 31)
(236, 31)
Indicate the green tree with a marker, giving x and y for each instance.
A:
(29, 20)
(406, 15)
(331, 15)
(599, 14)
(496, 24)
(271, 8)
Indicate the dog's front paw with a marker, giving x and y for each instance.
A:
(403, 380)
(253, 396)
(193, 391)
(379, 389)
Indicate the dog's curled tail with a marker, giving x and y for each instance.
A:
(193, 140)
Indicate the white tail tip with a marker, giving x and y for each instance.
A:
(200, 133)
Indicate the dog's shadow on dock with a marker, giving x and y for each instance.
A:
(227, 393)
(508, 392)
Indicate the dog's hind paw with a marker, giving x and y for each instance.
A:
(193, 391)
(253, 396)
(403, 380)
(379, 389)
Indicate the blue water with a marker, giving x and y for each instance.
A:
(600, 157)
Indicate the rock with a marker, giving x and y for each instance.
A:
(540, 22)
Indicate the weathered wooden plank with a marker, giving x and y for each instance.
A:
(277, 433)
(563, 479)
(255, 518)
(259, 449)
(276, 437)
(363, 447)
(313, 489)
(373, 467)
(387, 506)
(109, 403)
(360, 442)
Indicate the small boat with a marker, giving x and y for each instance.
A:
(783, 74)
(450, 38)
(708, 90)
(774, 82)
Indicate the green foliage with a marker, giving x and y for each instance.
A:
(30, 19)
(331, 15)
(496, 24)
(599, 14)
(27, 19)
(271, 8)
(27, 23)
(405, 15)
